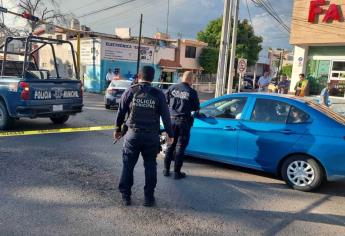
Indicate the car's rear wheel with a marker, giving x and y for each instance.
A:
(5, 120)
(59, 119)
(302, 173)
(107, 107)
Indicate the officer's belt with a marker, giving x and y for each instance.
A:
(180, 117)
(139, 130)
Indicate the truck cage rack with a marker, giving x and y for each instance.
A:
(29, 52)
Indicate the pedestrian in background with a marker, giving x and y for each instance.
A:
(301, 88)
(283, 85)
(145, 105)
(264, 82)
(182, 100)
(324, 96)
(109, 77)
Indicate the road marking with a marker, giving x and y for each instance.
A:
(56, 131)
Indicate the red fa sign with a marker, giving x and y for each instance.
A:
(333, 13)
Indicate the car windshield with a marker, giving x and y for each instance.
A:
(327, 111)
(120, 83)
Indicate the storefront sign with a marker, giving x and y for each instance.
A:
(333, 13)
(90, 52)
(113, 50)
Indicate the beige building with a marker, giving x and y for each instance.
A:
(318, 36)
(190, 51)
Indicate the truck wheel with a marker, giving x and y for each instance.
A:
(5, 120)
(59, 119)
(302, 173)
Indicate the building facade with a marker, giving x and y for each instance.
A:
(318, 36)
(103, 52)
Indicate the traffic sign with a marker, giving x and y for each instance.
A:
(242, 66)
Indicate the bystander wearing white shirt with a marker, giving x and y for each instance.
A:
(263, 83)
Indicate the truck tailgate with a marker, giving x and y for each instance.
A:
(49, 91)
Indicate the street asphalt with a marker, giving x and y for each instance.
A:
(66, 184)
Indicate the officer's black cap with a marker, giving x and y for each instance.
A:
(148, 73)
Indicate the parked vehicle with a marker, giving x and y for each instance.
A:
(297, 139)
(114, 92)
(26, 90)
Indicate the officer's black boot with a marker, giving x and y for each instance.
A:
(149, 201)
(166, 173)
(126, 200)
(179, 175)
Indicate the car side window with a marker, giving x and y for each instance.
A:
(297, 116)
(227, 109)
(270, 111)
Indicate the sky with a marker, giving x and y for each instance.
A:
(187, 17)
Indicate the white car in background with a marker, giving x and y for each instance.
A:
(114, 92)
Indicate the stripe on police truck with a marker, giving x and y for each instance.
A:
(56, 131)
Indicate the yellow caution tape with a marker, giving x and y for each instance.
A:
(56, 131)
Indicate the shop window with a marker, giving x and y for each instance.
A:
(339, 65)
(338, 70)
(190, 52)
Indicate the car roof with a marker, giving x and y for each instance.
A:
(268, 96)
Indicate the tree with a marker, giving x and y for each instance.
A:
(287, 70)
(248, 44)
(208, 60)
(47, 10)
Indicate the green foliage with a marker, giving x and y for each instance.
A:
(316, 84)
(287, 70)
(248, 44)
(209, 60)
(212, 33)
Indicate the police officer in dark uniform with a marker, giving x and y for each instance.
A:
(182, 100)
(144, 106)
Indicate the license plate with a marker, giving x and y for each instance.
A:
(57, 107)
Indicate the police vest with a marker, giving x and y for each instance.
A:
(144, 113)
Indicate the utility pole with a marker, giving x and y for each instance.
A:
(168, 14)
(139, 44)
(222, 50)
(227, 50)
(233, 48)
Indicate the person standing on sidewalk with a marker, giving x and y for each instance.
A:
(145, 105)
(182, 100)
(264, 82)
(324, 96)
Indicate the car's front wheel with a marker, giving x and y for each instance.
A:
(59, 119)
(302, 173)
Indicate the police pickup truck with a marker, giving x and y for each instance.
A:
(26, 90)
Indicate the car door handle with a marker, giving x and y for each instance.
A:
(286, 131)
(229, 128)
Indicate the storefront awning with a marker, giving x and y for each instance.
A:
(168, 64)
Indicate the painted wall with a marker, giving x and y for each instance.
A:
(189, 63)
(299, 64)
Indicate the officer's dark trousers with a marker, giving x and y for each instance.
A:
(181, 128)
(148, 145)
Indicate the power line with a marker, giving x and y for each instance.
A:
(267, 6)
(141, 7)
(106, 9)
(250, 17)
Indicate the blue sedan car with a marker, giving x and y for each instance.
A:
(297, 139)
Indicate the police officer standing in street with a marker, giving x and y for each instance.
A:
(144, 106)
(182, 100)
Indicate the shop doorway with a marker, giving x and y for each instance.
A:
(166, 77)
